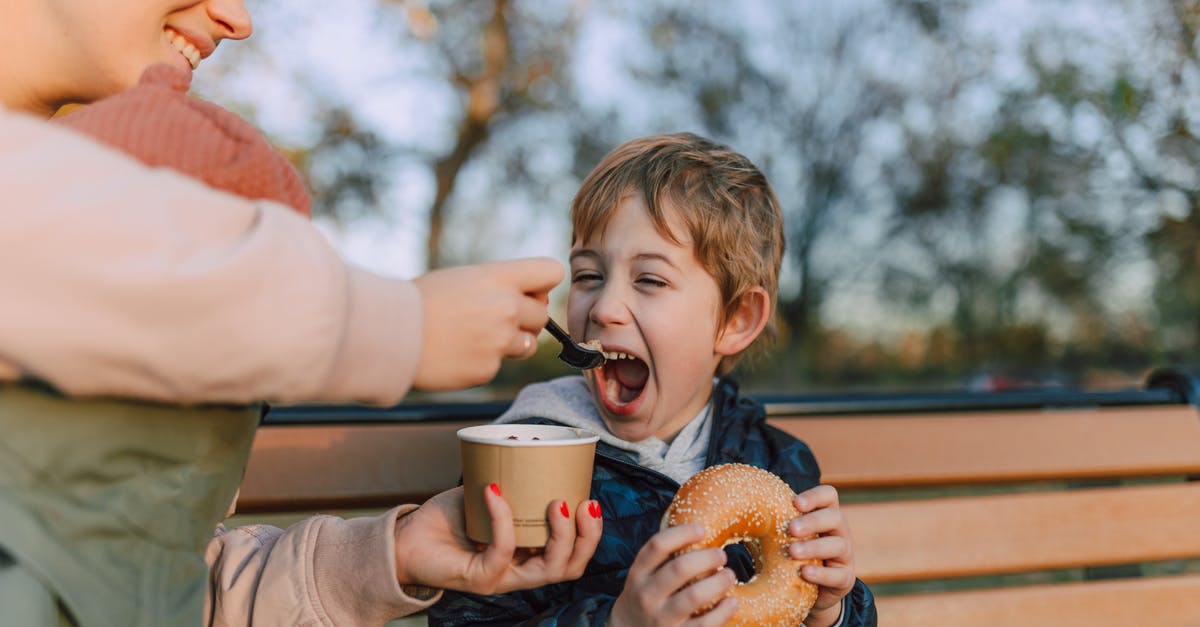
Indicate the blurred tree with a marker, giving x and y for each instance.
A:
(1025, 220)
(800, 99)
(1174, 252)
(964, 183)
(348, 169)
(496, 72)
(496, 57)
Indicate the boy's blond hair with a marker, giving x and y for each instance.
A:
(725, 202)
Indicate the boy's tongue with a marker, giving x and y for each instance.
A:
(631, 374)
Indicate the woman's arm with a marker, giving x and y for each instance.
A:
(366, 571)
(320, 571)
(119, 280)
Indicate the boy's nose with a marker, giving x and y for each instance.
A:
(609, 308)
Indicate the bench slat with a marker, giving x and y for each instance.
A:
(982, 535)
(311, 468)
(1166, 601)
(902, 450)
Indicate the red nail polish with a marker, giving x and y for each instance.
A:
(564, 511)
(495, 489)
(594, 509)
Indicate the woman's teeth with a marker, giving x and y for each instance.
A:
(617, 355)
(184, 47)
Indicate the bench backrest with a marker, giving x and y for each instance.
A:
(1033, 495)
(1013, 511)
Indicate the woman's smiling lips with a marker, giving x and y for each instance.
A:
(192, 47)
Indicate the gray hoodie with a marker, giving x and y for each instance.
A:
(567, 400)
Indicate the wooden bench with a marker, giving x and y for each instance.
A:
(1062, 508)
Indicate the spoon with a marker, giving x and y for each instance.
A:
(574, 354)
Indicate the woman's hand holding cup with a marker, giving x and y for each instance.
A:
(432, 547)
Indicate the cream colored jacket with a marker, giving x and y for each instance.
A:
(121, 281)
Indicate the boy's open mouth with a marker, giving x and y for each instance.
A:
(622, 378)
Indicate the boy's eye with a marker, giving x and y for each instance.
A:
(585, 277)
(651, 281)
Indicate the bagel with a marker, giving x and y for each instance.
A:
(737, 503)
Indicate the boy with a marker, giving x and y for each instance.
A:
(674, 267)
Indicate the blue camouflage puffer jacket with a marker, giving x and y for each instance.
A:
(633, 499)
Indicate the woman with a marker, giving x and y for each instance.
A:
(144, 319)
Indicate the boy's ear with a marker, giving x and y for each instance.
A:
(744, 323)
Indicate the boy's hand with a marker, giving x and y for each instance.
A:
(476, 316)
(665, 590)
(821, 515)
(432, 547)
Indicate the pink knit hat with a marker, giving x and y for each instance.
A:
(157, 122)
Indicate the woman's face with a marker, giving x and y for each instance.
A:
(102, 47)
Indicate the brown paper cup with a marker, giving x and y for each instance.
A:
(533, 465)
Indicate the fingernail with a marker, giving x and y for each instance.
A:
(564, 511)
(495, 489)
(594, 509)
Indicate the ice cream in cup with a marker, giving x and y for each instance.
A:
(532, 465)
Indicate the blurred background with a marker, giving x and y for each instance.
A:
(987, 195)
